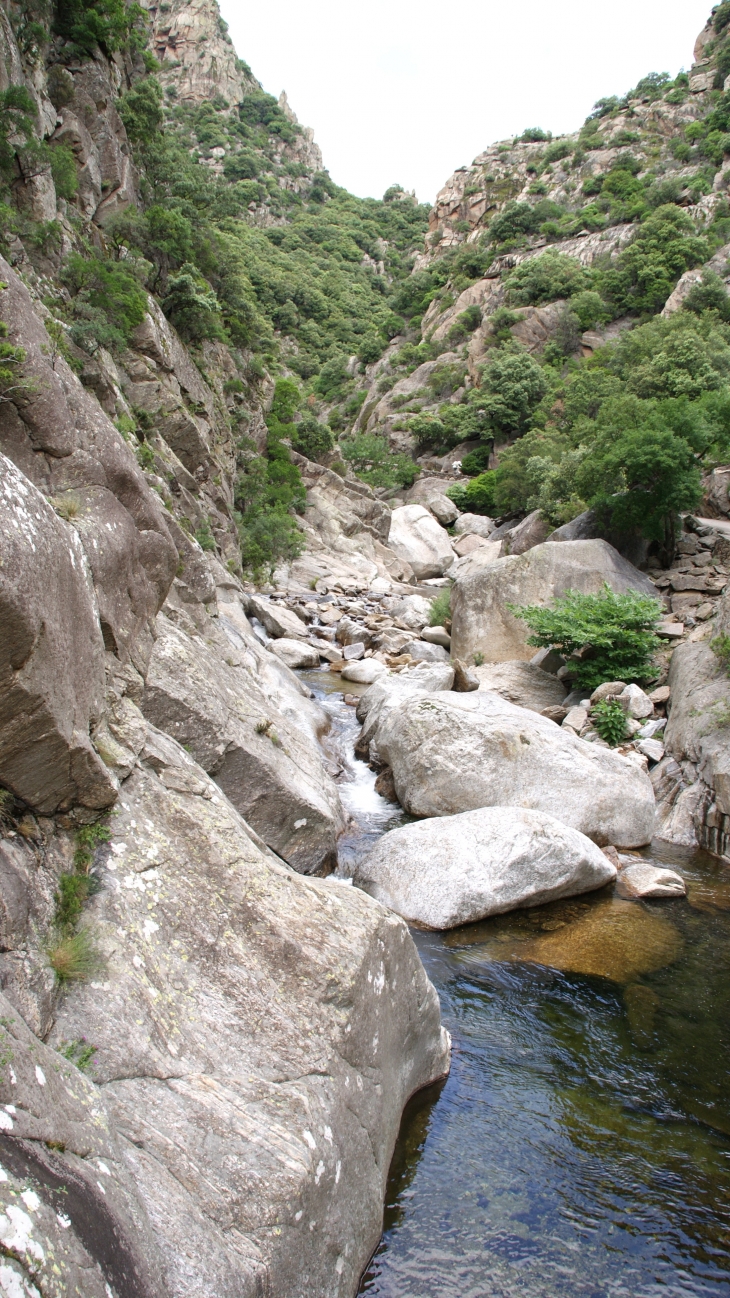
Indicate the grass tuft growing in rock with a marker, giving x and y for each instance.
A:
(74, 956)
(440, 609)
(71, 950)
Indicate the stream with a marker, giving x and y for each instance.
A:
(580, 1147)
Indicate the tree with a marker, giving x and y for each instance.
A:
(615, 634)
(512, 386)
(545, 279)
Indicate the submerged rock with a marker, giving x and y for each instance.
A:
(454, 870)
(614, 940)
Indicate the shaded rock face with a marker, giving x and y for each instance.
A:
(253, 1052)
(51, 656)
(481, 620)
(60, 438)
(457, 869)
(271, 769)
(522, 683)
(456, 752)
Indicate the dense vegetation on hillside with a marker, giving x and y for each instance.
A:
(242, 243)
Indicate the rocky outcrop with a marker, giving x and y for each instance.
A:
(458, 869)
(60, 438)
(221, 706)
(51, 656)
(252, 1050)
(456, 752)
(481, 595)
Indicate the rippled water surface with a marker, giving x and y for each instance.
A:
(580, 1147)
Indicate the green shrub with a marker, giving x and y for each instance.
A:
(476, 462)
(63, 170)
(546, 278)
(609, 719)
(476, 498)
(192, 306)
(440, 608)
(145, 456)
(512, 386)
(141, 110)
(88, 23)
(109, 302)
(373, 461)
(311, 438)
(204, 536)
(615, 632)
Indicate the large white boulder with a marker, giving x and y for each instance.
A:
(390, 690)
(457, 869)
(416, 537)
(483, 590)
(455, 752)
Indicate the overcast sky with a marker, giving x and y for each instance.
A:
(407, 90)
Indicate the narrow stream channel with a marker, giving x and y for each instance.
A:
(580, 1147)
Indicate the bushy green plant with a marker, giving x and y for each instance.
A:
(546, 278)
(609, 719)
(615, 634)
(440, 608)
(193, 306)
(311, 438)
(108, 300)
(476, 462)
(88, 23)
(478, 497)
(204, 536)
(512, 386)
(373, 461)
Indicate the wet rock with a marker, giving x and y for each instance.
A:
(522, 683)
(417, 538)
(644, 880)
(615, 940)
(457, 869)
(277, 620)
(384, 785)
(294, 653)
(456, 752)
(480, 596)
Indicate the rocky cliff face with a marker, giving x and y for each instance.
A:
(254, 1034)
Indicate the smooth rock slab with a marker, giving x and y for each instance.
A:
(276, 620)
(457, 869)
(257, 1035)
(644, 880)
(456, 752)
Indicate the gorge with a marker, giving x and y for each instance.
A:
(364, 705)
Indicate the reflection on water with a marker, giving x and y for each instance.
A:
(580, 1147)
